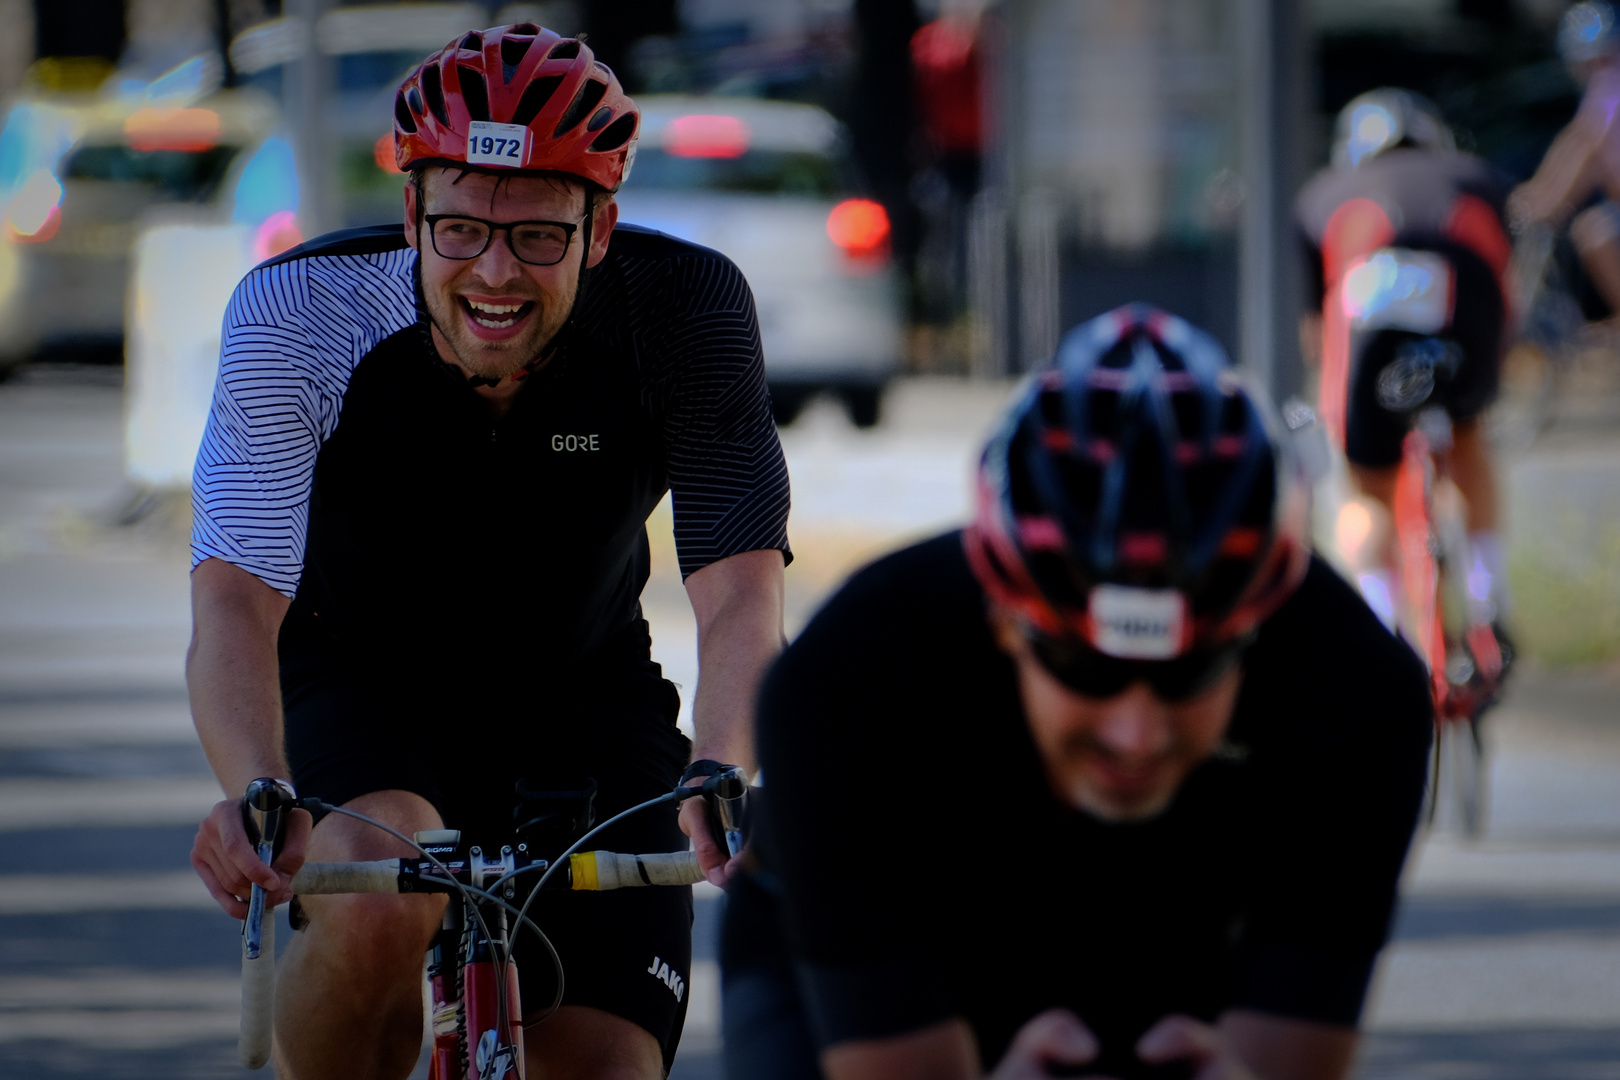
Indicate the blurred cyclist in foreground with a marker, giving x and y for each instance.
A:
(1584, 161)
(1406, 238)
(1118, 775)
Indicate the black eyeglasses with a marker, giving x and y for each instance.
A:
(1098, 675)
(538, 243)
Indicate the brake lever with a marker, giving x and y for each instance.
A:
(725, 802)
(264, 815)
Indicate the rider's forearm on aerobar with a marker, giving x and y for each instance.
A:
(738, 604)
(232, 674)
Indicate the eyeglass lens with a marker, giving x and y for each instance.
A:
(467, 238)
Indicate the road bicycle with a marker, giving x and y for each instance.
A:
(1400, 304)
(477, 1017)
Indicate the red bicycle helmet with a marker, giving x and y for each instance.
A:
(1135, 498)
(541, 103)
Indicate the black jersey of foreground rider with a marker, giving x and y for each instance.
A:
(345, 462)
(918, 867)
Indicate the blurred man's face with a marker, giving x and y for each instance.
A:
(1121, 758)
(495, 313)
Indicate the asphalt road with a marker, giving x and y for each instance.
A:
(114, 965)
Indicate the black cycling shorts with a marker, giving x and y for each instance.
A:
(1393, 377)
(347, 737)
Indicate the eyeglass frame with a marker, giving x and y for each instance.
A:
(1090, 672)
(569, 229)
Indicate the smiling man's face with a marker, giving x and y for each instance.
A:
(495, 314)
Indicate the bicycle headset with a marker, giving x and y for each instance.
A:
(549, 93)
(1587, 33)
(1384, 119)
(1135, 512)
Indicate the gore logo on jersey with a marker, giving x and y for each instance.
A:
(671, 979)
(572, 443)
(1137, 624)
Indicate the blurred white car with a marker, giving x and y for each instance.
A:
(70, 230)
(767, 183)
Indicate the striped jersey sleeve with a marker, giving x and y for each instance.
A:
(727, 476)
(294, 331)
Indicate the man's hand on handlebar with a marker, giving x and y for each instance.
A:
(1055, 1043)
(716, 863)
(229, 866)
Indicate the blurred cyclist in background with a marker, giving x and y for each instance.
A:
(1406, 234)
(1584, 161)
(1120, 776)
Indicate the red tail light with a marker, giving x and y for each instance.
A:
(860, 227)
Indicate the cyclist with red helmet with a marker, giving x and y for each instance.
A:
(420, 546)
(1120, 778)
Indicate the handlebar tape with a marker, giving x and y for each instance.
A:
(258, 999)
(381, 876)
(599, 871)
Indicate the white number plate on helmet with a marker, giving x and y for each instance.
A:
(489, 143)
(1137, 624)
(1398, 289)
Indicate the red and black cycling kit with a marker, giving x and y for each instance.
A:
(914, 865)
(1448, 203)
(466, 591)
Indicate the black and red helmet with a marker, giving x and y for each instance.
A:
(1135, 499)
(517, 97)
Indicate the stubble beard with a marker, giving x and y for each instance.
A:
(498, 360)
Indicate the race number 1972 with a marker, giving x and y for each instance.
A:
(490, 143)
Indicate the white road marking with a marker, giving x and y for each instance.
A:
(54, 726)
(33, 803)
(118, 1008)
(1526, 981)
(134, 1030)
(70, 894)
(1441, 865)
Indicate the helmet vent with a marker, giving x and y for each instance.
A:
(564, 50)
(513, 49)
(617, 134)
(587, 99)
(433, 91)
(474, 92)
(534, 99)
(473, 42)
(603, 115)
(402, 115)
(414, 100)
(523, 28)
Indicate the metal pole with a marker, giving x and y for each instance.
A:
(1257, 269)
(307, 94)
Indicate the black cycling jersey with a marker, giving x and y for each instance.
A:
(915, 866)
(337, 430)
(1418, 190)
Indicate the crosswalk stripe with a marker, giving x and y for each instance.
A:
(1472, 984)
(70, 894)
(1443, 866)
(34, 803)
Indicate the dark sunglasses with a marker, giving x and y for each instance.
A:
(1097, 675)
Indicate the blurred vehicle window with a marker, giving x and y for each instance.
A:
(758, 172)
(180, 175)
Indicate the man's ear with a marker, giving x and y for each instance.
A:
(410, 211)
(607, 216)
(1005, 629)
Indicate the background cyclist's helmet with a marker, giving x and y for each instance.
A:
(545, 103)
(1135, 499)
(1383, 119)
(1587, 32)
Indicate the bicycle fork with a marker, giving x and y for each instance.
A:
(472, 1039)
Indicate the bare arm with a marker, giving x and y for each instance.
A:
(738, 603)
(1278, 1048)
(1567, 174)
(945, 1051)
(234, 682)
